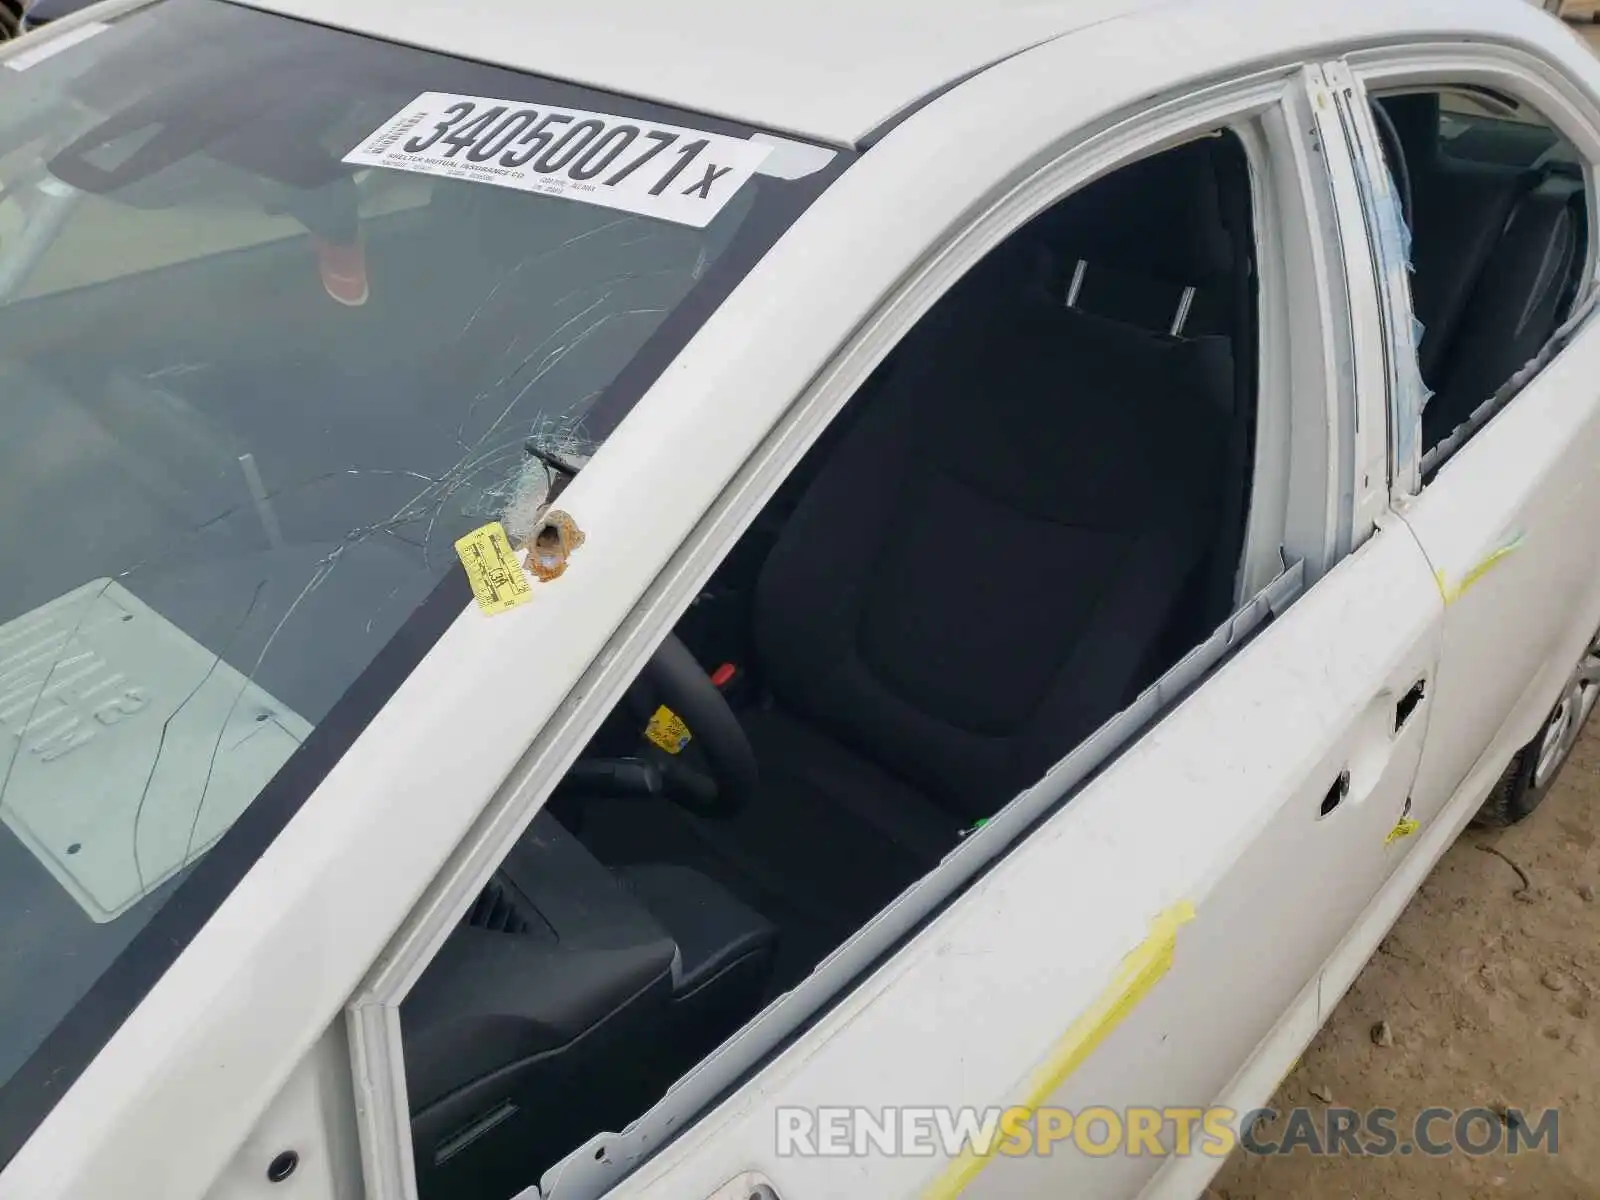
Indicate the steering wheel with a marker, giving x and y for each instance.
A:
(676, 680)
(1395, 156)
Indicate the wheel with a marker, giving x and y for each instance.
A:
(1533, 769)
(10, 19)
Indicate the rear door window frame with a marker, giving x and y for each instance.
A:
(1572, 112)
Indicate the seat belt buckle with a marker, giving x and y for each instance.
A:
(729, 679)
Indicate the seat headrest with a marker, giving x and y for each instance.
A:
(1160, 218)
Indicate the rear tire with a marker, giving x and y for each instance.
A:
(1533, 769)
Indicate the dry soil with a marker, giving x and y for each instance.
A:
(1490, 993)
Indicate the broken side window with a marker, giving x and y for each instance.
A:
(1497, 215)
(1017, 544)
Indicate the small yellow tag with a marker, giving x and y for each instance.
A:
(667, 730)
(493, 569)
(1403, 828)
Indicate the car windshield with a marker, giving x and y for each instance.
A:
(284, 312)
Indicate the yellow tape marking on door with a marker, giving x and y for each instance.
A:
(667, 730)
(1403, 828)
(1453, 593)
(1140, 971)
(493, 569)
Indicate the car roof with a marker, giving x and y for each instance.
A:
(831, 70)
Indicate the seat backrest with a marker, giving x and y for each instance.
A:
(981, 573)
(983, 570)
(1150, 245)
(1508, 319)
(1459, 211)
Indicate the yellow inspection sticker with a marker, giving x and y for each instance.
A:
(493, 569)
(667, 730)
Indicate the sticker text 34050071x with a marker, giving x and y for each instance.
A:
(666, 171)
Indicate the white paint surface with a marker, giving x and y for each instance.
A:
(829, 69)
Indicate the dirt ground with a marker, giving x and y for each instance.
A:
(1486, 993)
(1491, 995)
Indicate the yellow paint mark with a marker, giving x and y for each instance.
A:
(1403, 828)
(1452, 594)
(493, 569)
(1140, 971)
(667, 730)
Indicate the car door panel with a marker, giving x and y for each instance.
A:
(1209, 831)
(1273, 908)
(1508, 525)
(1145, 942)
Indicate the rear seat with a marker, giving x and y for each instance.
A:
(1459, 210)
(1515, 308)
(1494, 249)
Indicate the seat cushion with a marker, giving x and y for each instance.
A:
(713, 929)
(1509, 319)
(822, 803)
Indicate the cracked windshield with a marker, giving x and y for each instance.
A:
(283, 313)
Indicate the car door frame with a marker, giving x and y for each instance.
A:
(417, 811)
(1453, 521)
(1310, 516)
(738, 1134)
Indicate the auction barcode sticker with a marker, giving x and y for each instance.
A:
(666, 171)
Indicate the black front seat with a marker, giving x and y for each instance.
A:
(564, 1003)
(980, 575)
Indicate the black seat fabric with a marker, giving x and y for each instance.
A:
(714, 933)
(1147, 232)
(1494, 249)
(985, 566)
(1459, 211)
(981, 573)
(1507, 321)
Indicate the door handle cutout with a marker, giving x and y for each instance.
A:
(1408, 704)
(1336, 794)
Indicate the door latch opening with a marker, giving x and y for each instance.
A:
(1336, 794)
(1408, 704)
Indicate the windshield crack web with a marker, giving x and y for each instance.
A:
(517, 497)
(512, 443)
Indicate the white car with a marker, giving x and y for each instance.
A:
(582, 588)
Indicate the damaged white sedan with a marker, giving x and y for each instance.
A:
(583, 588)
